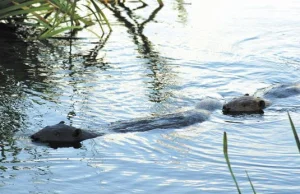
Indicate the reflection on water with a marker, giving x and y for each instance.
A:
(12, 116)
(156, 61)
(160, 73)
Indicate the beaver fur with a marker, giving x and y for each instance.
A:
(62, 135)
(245, 104)
(261, 99)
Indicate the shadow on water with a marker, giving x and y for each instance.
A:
(160, 72)
(90, 58)
(11, 108)
(24, 72)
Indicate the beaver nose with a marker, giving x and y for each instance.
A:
(225, 109)
(34, 138)
(262, 104)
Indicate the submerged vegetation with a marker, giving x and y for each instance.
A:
(47, 18)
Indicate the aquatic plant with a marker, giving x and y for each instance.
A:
(294, 132)
(225, 150)
(51, 17)
(250, 182)
(160, 2)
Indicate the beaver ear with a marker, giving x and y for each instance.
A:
(262, 104)
(246, 94)
(61, 122)
(77, 132)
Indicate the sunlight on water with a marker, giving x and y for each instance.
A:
(156, 61)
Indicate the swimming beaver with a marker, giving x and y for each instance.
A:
(245, 104)
(61, 135)
(254, 104)
(279, 91)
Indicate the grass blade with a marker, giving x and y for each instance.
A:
(225, 150)
(17, 6)
(294, 132)
(250, 182)
(100, 13)
(98, 19)
(52, 17)
(52, 32)
(27, 11)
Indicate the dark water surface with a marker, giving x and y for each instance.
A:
(156, 61)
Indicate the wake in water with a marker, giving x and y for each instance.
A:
(61, 135)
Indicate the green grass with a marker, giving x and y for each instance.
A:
(48, 18)
(225, 150)
(52, 17)
(294, 132)
(253, 189)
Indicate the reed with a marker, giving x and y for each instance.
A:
(160, 2)
(225, 150)
(294, 132)
(253, 189)
(52, 17)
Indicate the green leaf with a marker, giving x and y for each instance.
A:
(294, 132)
(27, 11)
(52, 17)
(250, 182)
(98, 19)
(99, 11)
(51, 33)
(225, 150)
(17, 7)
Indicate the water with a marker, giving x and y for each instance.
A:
(189, 50)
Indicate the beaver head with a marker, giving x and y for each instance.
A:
(61, 135)
(245, 104)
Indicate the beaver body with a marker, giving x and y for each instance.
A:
(279, 91)
(245, 104)
(261, 99)
(175, 120)
(61, 135)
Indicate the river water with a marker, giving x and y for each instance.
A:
(156, 61)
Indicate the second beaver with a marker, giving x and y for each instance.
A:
(245, 104)
(254, 104)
